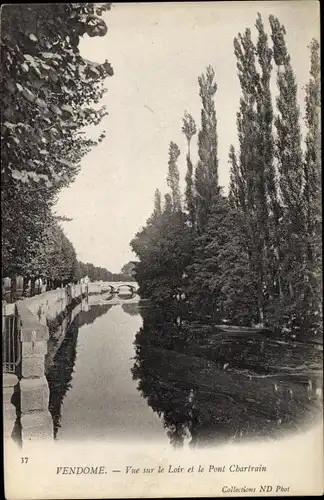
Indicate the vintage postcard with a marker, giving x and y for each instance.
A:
(161, 250)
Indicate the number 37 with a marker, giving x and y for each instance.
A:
(24, 460)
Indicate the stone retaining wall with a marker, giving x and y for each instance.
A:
(57, 336)
(36, 421)
(49, 305)
(34, 313)
(10, 383)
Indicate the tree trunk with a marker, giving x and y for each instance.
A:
(13, 289)
(32, 287)
(277, 271)
(25, 286)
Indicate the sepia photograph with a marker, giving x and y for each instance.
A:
(162, 330)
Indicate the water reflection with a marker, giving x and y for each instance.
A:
(59, 373)
(204, 385)
(209, 385)
(16, 435)
(131, 308)
(115, 297)
(94, 312)
(106, 297)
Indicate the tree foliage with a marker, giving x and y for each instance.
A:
(51, 95)
(98, 273)
(55, 259)
(189, 130)
(254, 256)
(206, 173)
(312, 190)
(174, 176)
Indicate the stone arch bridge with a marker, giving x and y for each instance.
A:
(113, 287)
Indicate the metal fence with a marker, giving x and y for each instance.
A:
(11, 343)
(17, 288)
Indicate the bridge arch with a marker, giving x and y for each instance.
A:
(107, 289)
(131, 288)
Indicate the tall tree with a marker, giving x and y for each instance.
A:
(157, 210)
(290, 163)
(157, 203)
(54, 258)
(270, 206)
(204, 286)
(173, 177)
(168, 203)
(252, 166)
(312, 164)
(265, 116)
(237, 187)
(189, 130)
(206, 174)
(50, 97)
(312, 186)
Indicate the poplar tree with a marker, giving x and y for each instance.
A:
(312, 185)
(237, 187)
(312, 165)
(206, 174)
(168, 206)
(189, 130)
(155, 218)
(252, 165)
(269, 202)
(290, 163)
(173, 176)
(157, 203)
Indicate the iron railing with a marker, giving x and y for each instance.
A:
(11, 343)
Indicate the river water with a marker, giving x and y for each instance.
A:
(130, 372)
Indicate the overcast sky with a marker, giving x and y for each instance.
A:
(157, 52)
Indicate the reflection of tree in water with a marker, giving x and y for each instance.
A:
(131, 308)
(107, 296)
(171, 400)
(59, 376)
(87, 317)
(206, 386)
